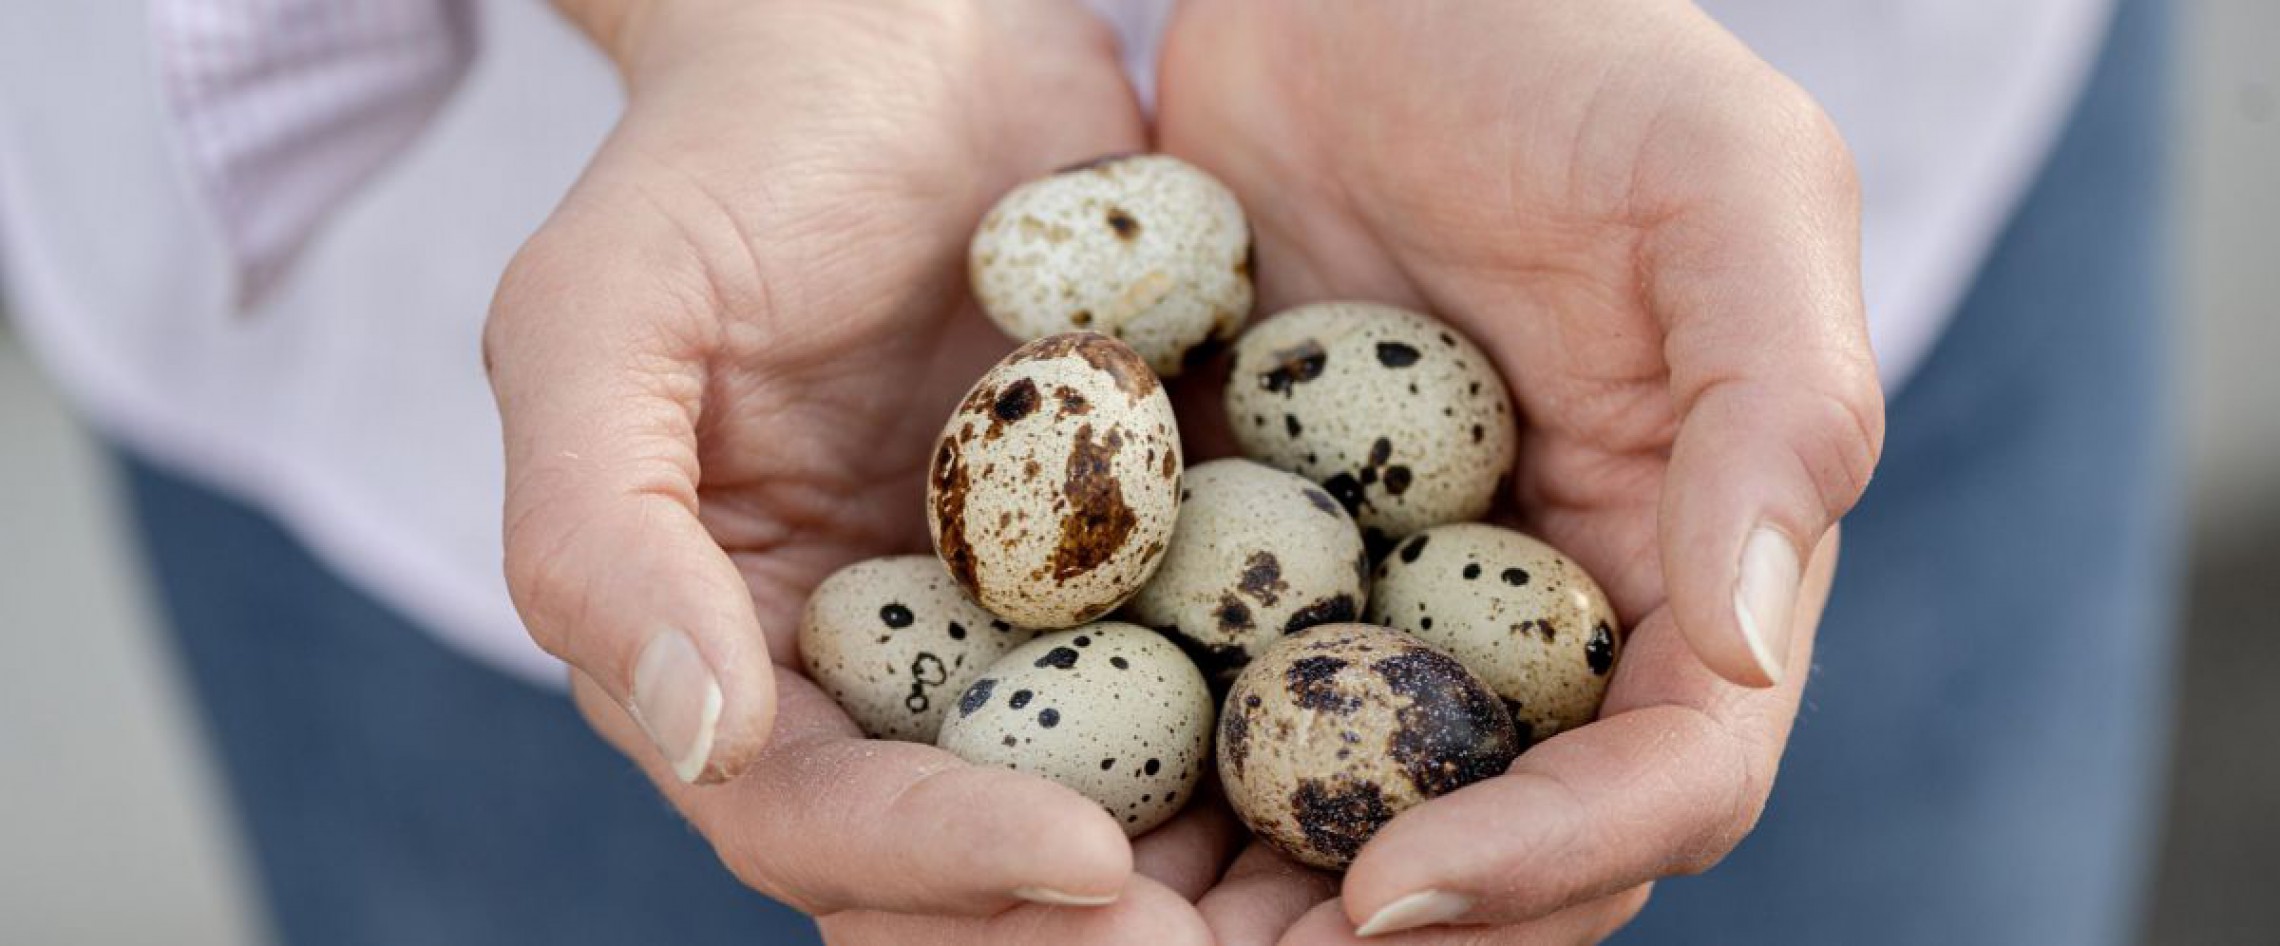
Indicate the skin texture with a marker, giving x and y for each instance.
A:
(721, 363)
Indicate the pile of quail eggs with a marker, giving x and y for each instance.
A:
(1100, 614)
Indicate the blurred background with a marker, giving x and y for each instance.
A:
(111, 831)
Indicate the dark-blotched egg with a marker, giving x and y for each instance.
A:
(1257, 553)
(1338, 728)
(1525, 617)
(1055, 485)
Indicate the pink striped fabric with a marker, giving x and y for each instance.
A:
(284, 107)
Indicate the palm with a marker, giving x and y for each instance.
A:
(753, 305)
(1519, 170)
(819, 455)
(826, 329)
(1517, 213)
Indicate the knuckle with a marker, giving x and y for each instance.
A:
(1759, 119)
(524, 286)
(1747, 782)
(1787, 121)
(756, 872)
(1845, 443)
(1820, 145)
(1709, 852)
(541, 578)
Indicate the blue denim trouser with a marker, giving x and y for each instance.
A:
(1980, 754)
(1977, 760)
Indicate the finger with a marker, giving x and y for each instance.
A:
(1149, 914)
(605, 557)
(1754, 271)
(1671, 777)
(825, 820)
(1188, 852)
(1261, 896)
(1583, 923)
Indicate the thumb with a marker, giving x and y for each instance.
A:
(1756, 277)
(599, 381)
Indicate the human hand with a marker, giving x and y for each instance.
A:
(720, 366)
(1656, 237)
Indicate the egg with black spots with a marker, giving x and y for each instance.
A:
(894, 641)
(1399, 416)
(1515, 610)
(1113, 711)
(1055, 484)
(1146, 248)
(1257, 553)
(1338, 728)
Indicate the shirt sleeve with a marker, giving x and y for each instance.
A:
(283, 108)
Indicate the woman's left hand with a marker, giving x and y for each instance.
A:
(1656, 237)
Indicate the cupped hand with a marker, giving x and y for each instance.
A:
(721, 365)
(1656, 237)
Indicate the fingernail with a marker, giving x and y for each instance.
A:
(1424, 908)
(676, 701)
(1061, 898)
(1765, 597)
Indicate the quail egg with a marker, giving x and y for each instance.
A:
(1336, 729)
(1146, 248)
(1111, 710)
(1257, 553)
(1401, 418)
(1055, 485)
(1525, 617)
(894, 641)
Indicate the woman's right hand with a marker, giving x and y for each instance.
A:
(720, 366)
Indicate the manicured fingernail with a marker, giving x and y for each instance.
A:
(676, 701)
(1424, 908)
(1765, 597)
(1061, 898)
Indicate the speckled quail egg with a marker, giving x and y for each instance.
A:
(1113, 711)
(1525, 617)
(1401, 418)
(1055, 485)
(1257, 553)
(895, 641)
(1336, 729)
(1146, 248)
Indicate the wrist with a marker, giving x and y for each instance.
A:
(646, 39)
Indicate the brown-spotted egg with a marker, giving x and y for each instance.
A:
(1146, 248)
(1336, 729)
(1055, 485)
(1113, 711)
(1525, 617)
(894, 641)
(1257, 553)
(1401, 418)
